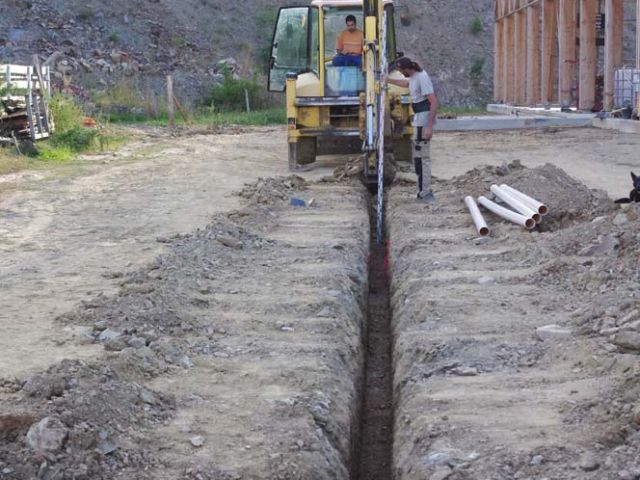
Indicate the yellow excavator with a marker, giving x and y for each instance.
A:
(339, 108)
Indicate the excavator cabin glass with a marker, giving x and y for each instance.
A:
(304, 41)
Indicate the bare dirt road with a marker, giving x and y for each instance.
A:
(211, 335)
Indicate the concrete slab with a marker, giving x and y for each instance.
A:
(509, 122)
(553, 112)
(620, 124)
(581, 119)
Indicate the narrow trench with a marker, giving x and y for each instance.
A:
(373, 459)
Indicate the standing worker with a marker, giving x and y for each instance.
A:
(349, 45)
(425, 107)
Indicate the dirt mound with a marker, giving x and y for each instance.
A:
(267, 191)
(80, 431)
(569, 200)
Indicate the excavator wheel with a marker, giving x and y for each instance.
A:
(302, 152)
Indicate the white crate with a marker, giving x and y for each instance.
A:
(24, 77)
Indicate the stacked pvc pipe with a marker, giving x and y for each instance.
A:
(515, 203)
(528, 211)
(532, 203)
(507, 214)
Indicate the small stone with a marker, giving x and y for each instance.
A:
(625, 475)
(633, 315)
(588, 462)
(441, 473)
(229, 242)
(108, 334)
(465, 371)
(185, 362)
(44, 386)
(537, 460)
(137, 342)
(620, 219)
(636, 416)
(106, 447)
(553, 332)
(197, 441)
(439, 459)
(148, 397)
(48, 435)
(486, 280)
(628, 340)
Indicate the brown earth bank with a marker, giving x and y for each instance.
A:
(228, 340)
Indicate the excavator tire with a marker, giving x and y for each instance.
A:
(302, 152)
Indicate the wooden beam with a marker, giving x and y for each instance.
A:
(549, 51)
(588, 55)
(498, 73)
(533, 54)
(520, 68)
(614, 22)
(567, 51)
(170, 110)
(509, 57)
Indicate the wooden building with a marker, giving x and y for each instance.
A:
(560, 52)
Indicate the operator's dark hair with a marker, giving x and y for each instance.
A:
(350, 18)
(407, 63)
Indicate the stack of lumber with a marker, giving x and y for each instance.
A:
(14, 118)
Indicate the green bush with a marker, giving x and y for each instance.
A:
(77, 139)
(477, 67)
(86, 13)
(230, 95)
(476, 26)
(66, 113)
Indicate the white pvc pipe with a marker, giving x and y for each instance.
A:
(478, 220)
(514, 203)
(506, 213)
(532, 203)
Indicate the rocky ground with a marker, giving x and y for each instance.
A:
(98, 46)
(173, 316)
(516, 354)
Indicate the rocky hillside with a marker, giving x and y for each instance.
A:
(130, 45)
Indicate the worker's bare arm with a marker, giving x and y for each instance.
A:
(398, 82)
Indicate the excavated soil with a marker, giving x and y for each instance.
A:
(480, 392)
(170, 315)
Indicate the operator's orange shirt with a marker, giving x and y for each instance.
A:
(350, 42)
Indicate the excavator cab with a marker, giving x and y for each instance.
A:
(326, 105)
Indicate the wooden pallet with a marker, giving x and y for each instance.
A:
(37, 83)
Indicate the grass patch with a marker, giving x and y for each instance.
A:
(231, 94)
(66, 113)
(476, 27)
(477, 68)
(77, 139)
(454, 111)
(59, 154)
(11, 163)
(270, 116)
